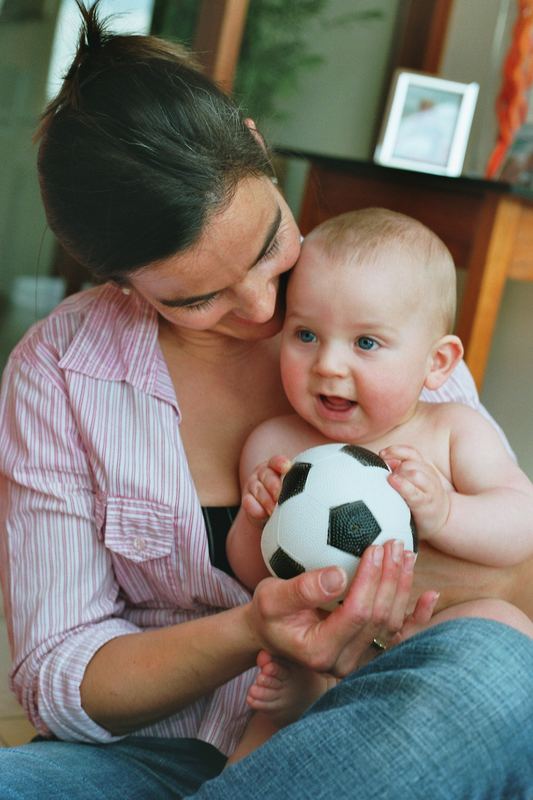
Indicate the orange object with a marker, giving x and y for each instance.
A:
(511, 103)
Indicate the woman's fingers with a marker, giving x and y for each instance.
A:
(420, 617)
(377, 601)
(293, 625)
(350, 628)
(288, 616)
(385, 597)
(278, 599)
(393, 595)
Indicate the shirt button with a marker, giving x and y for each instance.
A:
(139, 543)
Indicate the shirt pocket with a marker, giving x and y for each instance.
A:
(140, 538)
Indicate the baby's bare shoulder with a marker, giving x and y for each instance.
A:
(450, 413)
(285, 435)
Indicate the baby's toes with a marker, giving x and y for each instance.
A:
(276, 669)
(268, 681)
(259, 697)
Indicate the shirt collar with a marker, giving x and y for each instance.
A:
(118, 340)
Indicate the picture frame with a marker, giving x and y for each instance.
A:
(427, 123)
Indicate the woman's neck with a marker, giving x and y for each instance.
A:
(210, 348)
(225, 388)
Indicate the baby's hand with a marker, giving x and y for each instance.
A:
(421, 487)
(262, 488)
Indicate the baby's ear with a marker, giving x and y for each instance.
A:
(444, 357)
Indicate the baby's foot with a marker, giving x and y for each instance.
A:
(283, 690)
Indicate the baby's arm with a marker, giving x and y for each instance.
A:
(261, 487)
(488, 516)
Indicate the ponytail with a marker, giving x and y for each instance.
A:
(137, 150)
(93, 36)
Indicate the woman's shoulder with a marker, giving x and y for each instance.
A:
(55, 332)
(83, 327)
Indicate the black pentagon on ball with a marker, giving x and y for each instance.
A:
(294, 481)
(352, 527)
(284, 566)
(365, 457)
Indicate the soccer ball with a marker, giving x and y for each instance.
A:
(334, 502)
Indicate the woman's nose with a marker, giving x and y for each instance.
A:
(257, 299)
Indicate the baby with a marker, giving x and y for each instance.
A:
(370, 310)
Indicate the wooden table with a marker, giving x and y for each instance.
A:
(488, 229)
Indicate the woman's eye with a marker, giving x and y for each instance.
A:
(203, 306)
(272, 250)
(306, 336)
(367, 343)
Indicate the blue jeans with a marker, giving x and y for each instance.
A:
(447, 715)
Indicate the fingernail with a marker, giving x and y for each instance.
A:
(332, 581)
(397, 550)
(409, 561)
(377, 555)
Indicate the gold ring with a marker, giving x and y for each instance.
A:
(377, 644)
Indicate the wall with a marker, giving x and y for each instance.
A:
(24, 54)
(337, 108)
(478, 37)
(476, 45)
(337, 104)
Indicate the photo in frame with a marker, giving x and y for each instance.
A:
(427, 123)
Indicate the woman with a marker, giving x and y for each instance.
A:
(123, 416)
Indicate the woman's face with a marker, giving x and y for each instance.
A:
(228, 281)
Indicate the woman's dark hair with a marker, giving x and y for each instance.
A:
(138, 149)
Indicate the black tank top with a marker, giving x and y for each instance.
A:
(218, 521)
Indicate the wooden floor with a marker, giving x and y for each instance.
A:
(14, 727)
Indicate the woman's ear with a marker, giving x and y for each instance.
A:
(444, 357)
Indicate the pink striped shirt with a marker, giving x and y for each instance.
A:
(102, 530)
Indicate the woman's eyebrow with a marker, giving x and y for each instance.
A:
(271, 233)
(180, 302)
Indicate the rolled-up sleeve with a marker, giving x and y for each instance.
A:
(61, 598)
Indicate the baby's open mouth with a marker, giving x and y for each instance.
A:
(334, 403)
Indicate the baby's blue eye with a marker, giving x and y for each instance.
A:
(367, 343)
(306, 336)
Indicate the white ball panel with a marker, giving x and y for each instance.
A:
(315, 454)
(302, 534)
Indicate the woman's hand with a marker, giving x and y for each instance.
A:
(262, 488)
(419, 619)
(421, 487)
(287, 618)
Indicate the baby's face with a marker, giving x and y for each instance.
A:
(356, 344)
